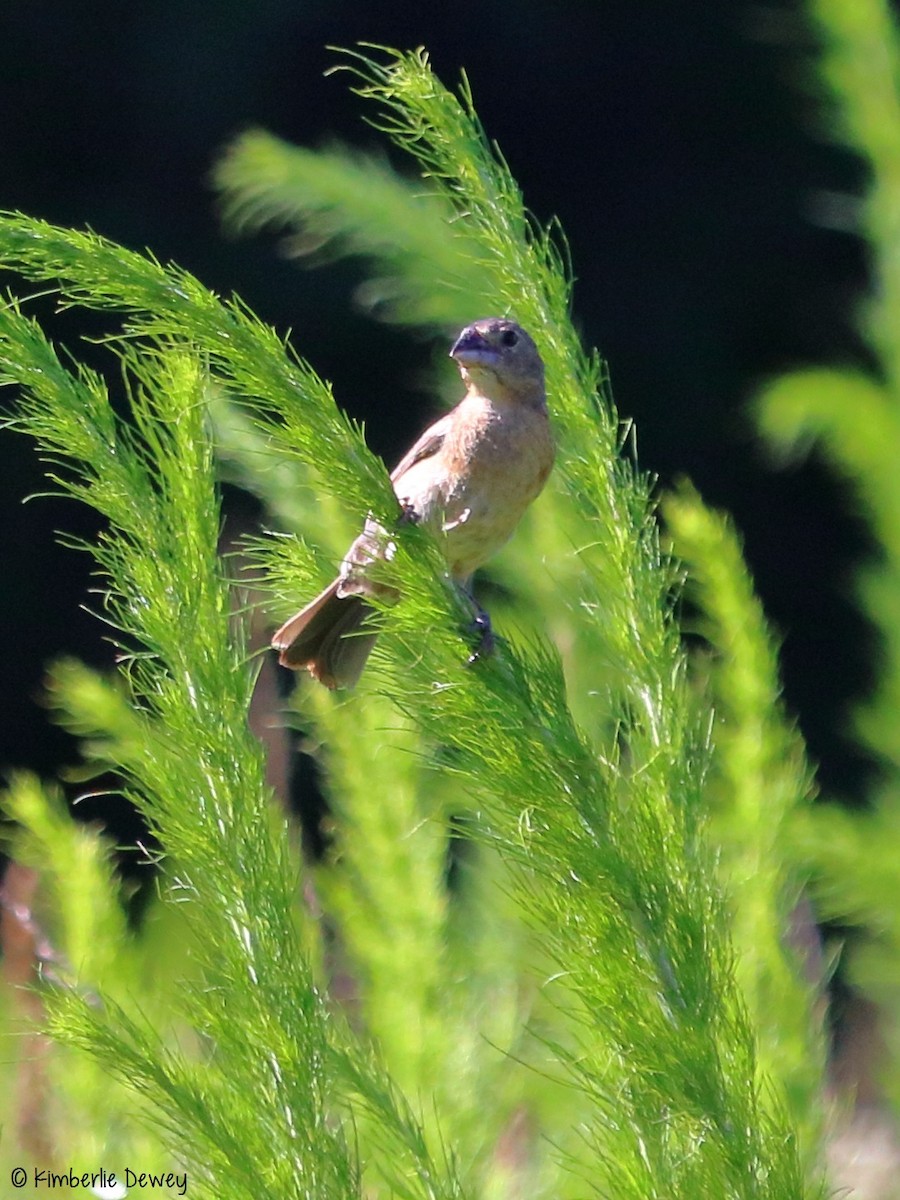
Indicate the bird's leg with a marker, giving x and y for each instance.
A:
(481, 625)
(408, 514)
(484, 629)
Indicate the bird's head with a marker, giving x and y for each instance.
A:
(496, 356)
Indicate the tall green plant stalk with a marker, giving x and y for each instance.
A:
(760, 787)
(853, 420)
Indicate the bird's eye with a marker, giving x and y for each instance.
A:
(509, 337)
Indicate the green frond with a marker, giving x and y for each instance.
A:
(853, 422)
(337, 202)
(860, 67)
(761, 786)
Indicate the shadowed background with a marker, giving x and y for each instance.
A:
(681, 146)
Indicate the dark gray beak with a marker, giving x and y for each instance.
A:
(472, 347)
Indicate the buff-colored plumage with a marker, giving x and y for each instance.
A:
(469, 478)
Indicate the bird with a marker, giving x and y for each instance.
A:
(468, 479)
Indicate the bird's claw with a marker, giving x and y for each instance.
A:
(481, 625)
(408, 514)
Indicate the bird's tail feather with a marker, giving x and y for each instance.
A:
(326, 637)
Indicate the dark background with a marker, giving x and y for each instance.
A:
(681, 145)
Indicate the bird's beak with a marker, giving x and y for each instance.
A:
(472, 349)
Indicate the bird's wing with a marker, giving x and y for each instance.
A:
(428, 445)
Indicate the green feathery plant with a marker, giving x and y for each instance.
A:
(47, 1097)
(760, 783)
(574, 1020)
(853, 419)
(267, 182)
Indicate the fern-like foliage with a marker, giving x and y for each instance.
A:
(760, 787)
(853, 421)
(579, 765)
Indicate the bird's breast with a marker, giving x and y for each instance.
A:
(494, 461)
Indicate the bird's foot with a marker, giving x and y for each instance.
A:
(484, 648)
(408, 514)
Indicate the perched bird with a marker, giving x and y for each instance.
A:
(469, 479)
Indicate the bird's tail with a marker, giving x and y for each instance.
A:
(327, 638)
